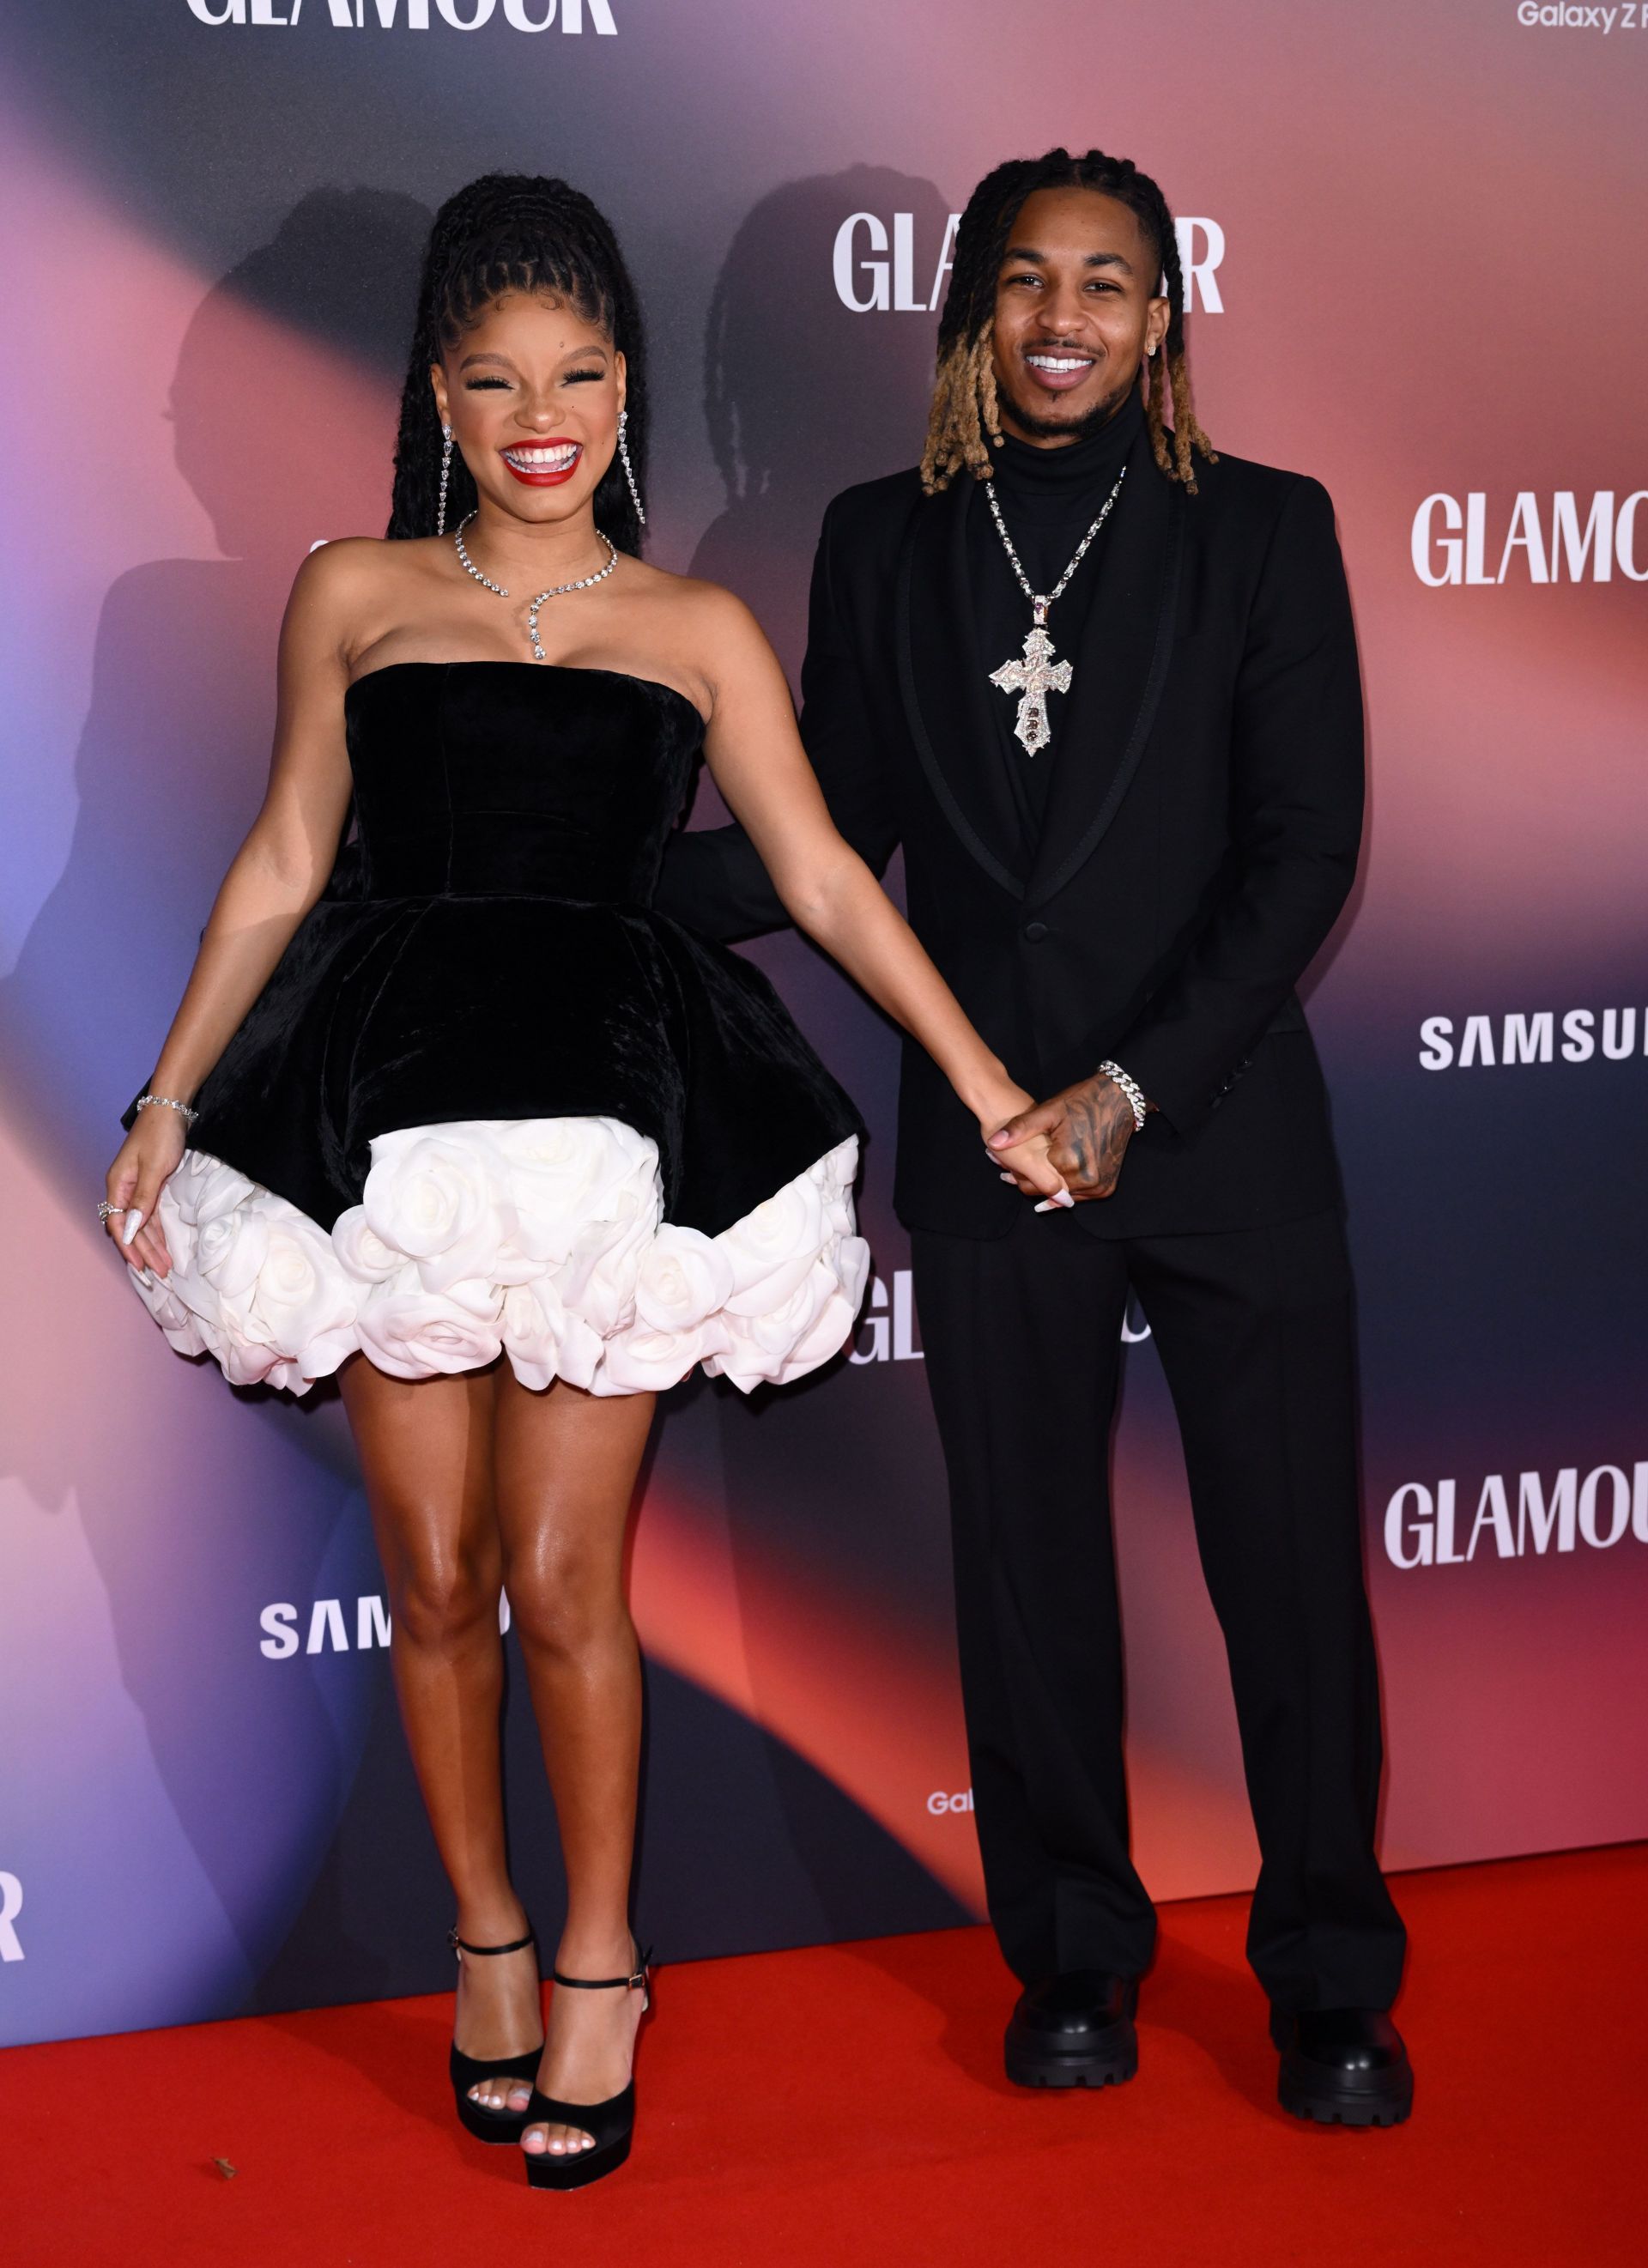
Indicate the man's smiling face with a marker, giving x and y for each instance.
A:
(1076, 304)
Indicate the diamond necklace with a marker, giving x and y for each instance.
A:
(1034, 674)
(557, 590)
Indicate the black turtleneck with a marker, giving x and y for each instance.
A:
(1048, 499)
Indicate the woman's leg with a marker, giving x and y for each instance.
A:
(426, 1453)
(564, 1467)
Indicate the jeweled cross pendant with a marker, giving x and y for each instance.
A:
(1033, 678)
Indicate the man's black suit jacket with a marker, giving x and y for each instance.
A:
(1201, 836)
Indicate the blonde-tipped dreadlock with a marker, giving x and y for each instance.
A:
(1172, 445)
(963, 413)
(964, 422)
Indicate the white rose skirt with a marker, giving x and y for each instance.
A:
(540, 1239)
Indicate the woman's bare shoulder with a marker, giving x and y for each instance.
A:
(710, 612)
(343, 584)
(363, 562)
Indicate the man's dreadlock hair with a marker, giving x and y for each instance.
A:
(515, 232)
(964, 420)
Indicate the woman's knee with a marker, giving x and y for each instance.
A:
(564, 1599)
(442, 1596)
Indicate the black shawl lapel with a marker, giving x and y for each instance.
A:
(943, 678)
(1121, 666)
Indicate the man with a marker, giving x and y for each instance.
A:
(1102, 684)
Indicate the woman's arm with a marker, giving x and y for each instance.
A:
(712, 878)
(276, 875)
(756, 759)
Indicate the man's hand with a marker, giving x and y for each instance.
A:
(1088, 1128)
(1026, 1162)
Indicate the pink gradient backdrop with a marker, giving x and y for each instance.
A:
(1432, 281)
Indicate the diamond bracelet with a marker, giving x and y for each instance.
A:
(1131, 1088)
(167, 1103)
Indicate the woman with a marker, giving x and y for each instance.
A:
(470, 1126)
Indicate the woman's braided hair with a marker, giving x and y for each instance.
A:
(964, 419)
(515, 232)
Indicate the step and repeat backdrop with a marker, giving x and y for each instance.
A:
(1414, 239)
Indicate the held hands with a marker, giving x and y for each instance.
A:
(1025, 1160)
(1085, 1130)
(145, 1160)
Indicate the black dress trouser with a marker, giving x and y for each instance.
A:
(1023, 1344)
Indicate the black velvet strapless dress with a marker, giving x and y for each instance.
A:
(490, 1101)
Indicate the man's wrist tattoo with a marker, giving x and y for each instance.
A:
(1130, 1087)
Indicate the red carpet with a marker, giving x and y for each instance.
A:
(844, 2107)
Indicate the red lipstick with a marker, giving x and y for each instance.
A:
(546, 474)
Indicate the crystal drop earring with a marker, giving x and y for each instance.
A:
(447, 449)
(629, 470)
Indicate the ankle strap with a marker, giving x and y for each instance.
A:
(635, 1983)
(461, 1945)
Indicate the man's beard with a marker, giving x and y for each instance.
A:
(1061, 429)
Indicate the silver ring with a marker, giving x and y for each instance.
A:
(107, 1211)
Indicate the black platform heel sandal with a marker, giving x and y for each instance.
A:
(610, 2125)
(468, 2071)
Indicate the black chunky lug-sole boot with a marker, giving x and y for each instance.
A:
(1343, 2067)
(1075, 2030)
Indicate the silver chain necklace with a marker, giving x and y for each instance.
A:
(556, 590)
(1034, 674)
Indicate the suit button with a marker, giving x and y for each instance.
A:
(1035, 932)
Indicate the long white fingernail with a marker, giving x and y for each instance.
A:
(146, 1276)
(134, 1222)
(1010, 1177)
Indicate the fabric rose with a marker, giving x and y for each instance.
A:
(362, 1252)
(773, 1249)
(201, 1192)
(645, 1361)
(181, 1327)
(564, 1173)
(533, 1324)
(245, 1363)
(813, 1324)
(232, 1250)
(175, 1211)
(202, 1188)
(301, 1303)
(684, 1276)
(776, 1331)
(599, 1279)
(831, 1329)
(851, 1260)
(222, 1190)
(581, 1354)
(442, 1197)
(413, 1333)
(834, 1176)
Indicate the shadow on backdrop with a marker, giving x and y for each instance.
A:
(802, 396)
(805, 396)
(282, 406)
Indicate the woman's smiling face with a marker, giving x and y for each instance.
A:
(532, 391)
